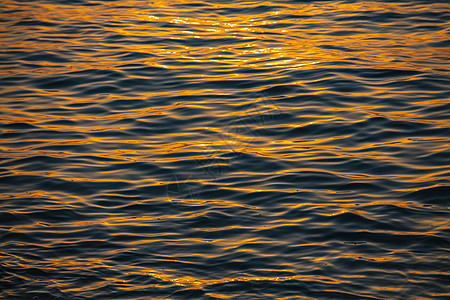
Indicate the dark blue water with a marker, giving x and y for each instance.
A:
(224, 149)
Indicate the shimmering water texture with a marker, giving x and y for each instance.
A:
(224, 149)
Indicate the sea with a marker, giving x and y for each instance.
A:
(224, 149)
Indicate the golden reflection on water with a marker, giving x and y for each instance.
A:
(294, 45)
(261, 46)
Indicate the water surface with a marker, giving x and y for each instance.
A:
(224, 149)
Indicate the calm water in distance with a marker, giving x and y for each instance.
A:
(216, 149)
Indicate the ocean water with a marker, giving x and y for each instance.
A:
(220, 149)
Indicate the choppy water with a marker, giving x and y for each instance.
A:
(224, 149)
